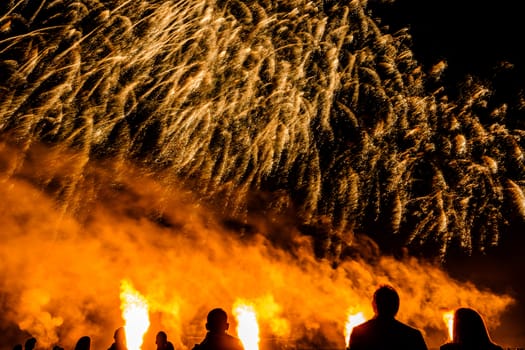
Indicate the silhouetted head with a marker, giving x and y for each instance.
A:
(120, 335)
(18, 347)
(217, 321)
(84, 343)
(386, 301)
(30, 344)
(469, 328)
(161, 340)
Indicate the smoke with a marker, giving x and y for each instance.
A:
(62, 269)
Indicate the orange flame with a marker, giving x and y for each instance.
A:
(448, 317)
(135, 314)
(352, 321)
(247, 326)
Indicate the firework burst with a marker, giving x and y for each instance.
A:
(309, 100)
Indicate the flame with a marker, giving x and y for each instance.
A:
(352, 321)
(448, 317)
(247, 326)
(135, 314)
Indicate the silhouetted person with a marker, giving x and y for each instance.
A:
(18, 347)
(30, 344)
(384, 331)
(469, 332)
(217, 338)
(84, 343)
(57, 347)
(162, 341)
(119, 342)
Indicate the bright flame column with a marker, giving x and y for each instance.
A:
(352, 321)
(247, 326)
(135, 314)
(448, 317)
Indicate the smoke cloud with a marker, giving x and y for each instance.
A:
(63, 261)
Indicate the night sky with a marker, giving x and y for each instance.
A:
(474, 38)
(478, 38)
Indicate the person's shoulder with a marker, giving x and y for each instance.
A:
(450, 346)
(364, 326)
(406, 327)
(236, 342)
(367, 323)
(231, 337)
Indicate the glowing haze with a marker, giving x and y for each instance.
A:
(61, 274)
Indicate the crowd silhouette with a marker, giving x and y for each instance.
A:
(381, 332)
(162, 342)
(469, 332)
(217, 338)
(84, 343)
(119, 340)
(384, 331)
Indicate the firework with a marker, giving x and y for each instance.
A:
(308, 100)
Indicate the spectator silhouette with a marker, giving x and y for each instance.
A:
(18, 347)
(30, 343)
(217, 338)
(84, 343)
(384, 331)
(119, 342)
(469, 332)
(57, 347)
(162, 341)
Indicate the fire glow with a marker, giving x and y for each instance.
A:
(352, 321)
(247, 325)
(135, 314)
(119, 236)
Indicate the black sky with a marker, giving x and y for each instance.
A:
(475, 38)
